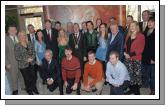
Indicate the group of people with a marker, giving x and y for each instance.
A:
(83, 59)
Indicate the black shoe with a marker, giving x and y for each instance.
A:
(78, 93)
(51, 89)
(128, 93)
(94, 90)
(61, 93)
(44, 82)
(30, 93)
(15, 92)
(105, 83)
(35, 91)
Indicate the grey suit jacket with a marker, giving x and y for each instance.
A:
(9, 54)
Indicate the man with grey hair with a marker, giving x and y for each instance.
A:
(143, 25)
(115, 41)
(70, 26)
(51, 73)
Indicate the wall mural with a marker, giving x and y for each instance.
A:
(80, 13)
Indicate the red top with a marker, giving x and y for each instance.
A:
(95, 71)
(71, 69)
(137, 46)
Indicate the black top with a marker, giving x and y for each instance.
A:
(128, 44)
(149, 50)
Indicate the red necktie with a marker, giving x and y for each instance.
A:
(49, 35)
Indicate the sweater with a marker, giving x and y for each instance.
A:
(95, 71)
(71, 69)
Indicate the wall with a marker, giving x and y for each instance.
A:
(80, 13)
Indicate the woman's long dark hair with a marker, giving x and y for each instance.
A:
(106, 31)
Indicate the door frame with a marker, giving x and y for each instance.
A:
(22, 17)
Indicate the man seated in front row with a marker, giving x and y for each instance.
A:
(93, 78)
(71, 71)
(51, 72)
(116, 74)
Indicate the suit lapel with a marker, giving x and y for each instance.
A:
(10, 41)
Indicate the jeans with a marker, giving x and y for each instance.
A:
(149, 76)
(119, 90)
(70, 84)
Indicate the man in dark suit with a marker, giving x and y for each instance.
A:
(145, 16)
(84, 28)
(31, 39)
(50, 38)
(129, 20)
(51, 73)
(77, 43)
(31, 35)
(115, 41)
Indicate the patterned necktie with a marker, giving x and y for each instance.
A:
(33, 39)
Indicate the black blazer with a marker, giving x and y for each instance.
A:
(116, 45)
(29, 38)
(51, 44)
(52, 71)
(149, 49)
(141, 27)
(81, 51)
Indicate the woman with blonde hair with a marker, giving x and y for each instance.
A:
(25, 55)
(62, 43)
(134, 46)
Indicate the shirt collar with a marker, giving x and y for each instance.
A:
(117, 64)
(76, 33)
(69, 59)
(91, 31)
(115, 34)
(93, 62)
(50, 61)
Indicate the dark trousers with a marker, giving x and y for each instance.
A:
(135, 89)
(41, 73)
(70, 84)
(149, 72)
(29, 77)
(56, 84)
(149, 76)
(36, 70)
(119, 90)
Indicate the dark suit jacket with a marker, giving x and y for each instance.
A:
(116, 45)
(51, 44)
(52, 71)
(29, 38)
(141, 27)
(81, 51)
(149, 50)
